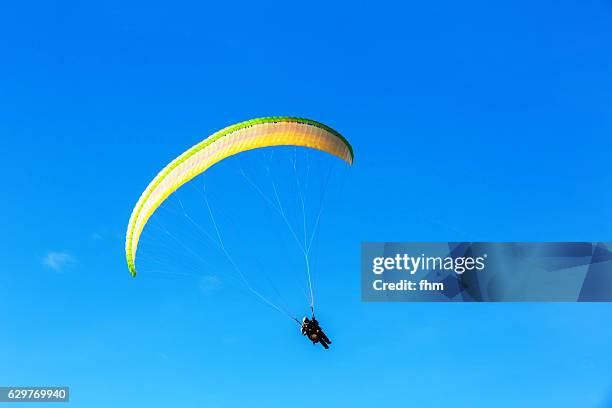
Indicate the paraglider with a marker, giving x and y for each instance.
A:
(311, 329)
(241, 137)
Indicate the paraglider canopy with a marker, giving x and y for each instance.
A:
(241, 137)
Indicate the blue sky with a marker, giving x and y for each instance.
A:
(471, 120)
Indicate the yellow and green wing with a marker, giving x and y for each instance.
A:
(243, 136)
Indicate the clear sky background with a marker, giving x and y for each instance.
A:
(472, 120)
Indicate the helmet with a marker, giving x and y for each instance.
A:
(304, 319)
